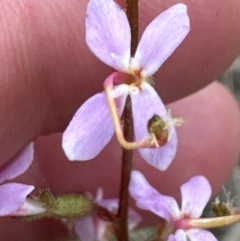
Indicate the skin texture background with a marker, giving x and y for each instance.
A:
(47, 72)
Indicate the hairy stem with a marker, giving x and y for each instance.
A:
(132, 14)
(127, 157)
(127, 160)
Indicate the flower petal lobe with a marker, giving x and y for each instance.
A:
(85, 229)
(180, 235)
(108, 33)
(200, 235)
(91, 128)
(148, 198)
(145, 104)
(162, 36)
(195, 195)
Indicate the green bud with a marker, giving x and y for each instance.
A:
(63, 206)
(67, 205)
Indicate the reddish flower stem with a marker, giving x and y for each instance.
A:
(127, 157)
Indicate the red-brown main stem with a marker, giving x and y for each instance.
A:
(127, 157)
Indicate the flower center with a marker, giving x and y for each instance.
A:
(134, 77)
(183, 223)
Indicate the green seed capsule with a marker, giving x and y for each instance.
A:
(158, 127)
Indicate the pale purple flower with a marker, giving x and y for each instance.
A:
(92, 228)
(195, 195)
(108, 36)
(13, 195)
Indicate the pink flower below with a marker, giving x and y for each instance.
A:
(195, 195)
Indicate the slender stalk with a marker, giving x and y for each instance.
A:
(214, 222)
(127, 157)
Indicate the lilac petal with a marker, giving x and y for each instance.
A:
(85, 229)
(148, 198)
(30, 207)
(195, 195)
(180, 235)
(90, 129)
(171, 238)
(200, 235)
(134, 219)
(12, 197)
(108, 33)
(110, 204)
(18, 165)
(162, 36)
(145, 104)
